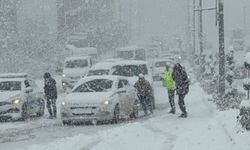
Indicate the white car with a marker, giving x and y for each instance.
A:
(19, 97)
(129, 69)
(100, 98)
(159, 68)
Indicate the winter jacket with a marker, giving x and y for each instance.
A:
(168, 80)
(143, 88)
(50, 89)
(181, 79)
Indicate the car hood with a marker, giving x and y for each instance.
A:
(6, 95)
(88, 98)
(76, 72)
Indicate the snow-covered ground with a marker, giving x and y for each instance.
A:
(204, 129)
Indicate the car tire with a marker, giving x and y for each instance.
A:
(24, 113)
(66, 122)
(116, 115)
(135, 112)
(40, 113)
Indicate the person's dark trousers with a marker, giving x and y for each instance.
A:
(144, 103)
(182, 104)
(51, 106)
(171, 100)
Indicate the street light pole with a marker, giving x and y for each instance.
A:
(221, 49)
(193, 33)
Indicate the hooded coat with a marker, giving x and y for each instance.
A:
(50, 89)
(181, 79)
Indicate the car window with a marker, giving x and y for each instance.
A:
(98, 72)
(98, 85)
(130, 70)
(79, 63)
(11, 86)
(120, 84)
(160, 64)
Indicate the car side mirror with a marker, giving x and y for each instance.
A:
(28, 90)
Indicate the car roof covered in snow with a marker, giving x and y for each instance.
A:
(13, 75)
(131, 62)
(129, 48)
(77, 58)
(89, 78)
(102, 66)
(108, 65)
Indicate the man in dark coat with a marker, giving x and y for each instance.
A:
(50, 91)
(182, 86)
(144, 92)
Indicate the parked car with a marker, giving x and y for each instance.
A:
(19, 97)
(130, 69)
(74, 69)
(159, 68)
(100, 98)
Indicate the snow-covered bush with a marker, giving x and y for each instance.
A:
(244, 116)
(232, 99)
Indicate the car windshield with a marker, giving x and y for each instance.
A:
(10, 86)
(78, 63)
(98, 85)
(130, 70)
(98, 72)
(78, 43)
(160, 64)
(126, 54)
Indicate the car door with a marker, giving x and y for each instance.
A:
(122, 96)
(32, 97)
(128, 98)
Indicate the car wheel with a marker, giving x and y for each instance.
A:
(24, 114)
(116, 115)
(40, 113)
(135, 112)
(66, 122)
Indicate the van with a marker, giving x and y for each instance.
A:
(74, 69)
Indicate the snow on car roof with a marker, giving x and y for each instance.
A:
(12, 79)
(102, 66)
(129, 48)
(89, 78)
(131, 62)
(13, 75)
(77, 58)
(108, 65)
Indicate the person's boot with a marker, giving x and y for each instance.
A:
(172, 111)
(183, 115)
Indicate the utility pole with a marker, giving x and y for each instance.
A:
(200, 28)
(221, 49)
(188, 29)
(193, 33)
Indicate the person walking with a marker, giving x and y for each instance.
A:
(170, 85)
(144, 92)
(50, 91)
(182, 87)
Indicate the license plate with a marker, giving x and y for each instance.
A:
(82, 111)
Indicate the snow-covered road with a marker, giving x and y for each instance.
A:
(202, 130)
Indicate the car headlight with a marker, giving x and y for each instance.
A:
(106, 102)
(63, 103)
(64, 75)
(16, 101)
